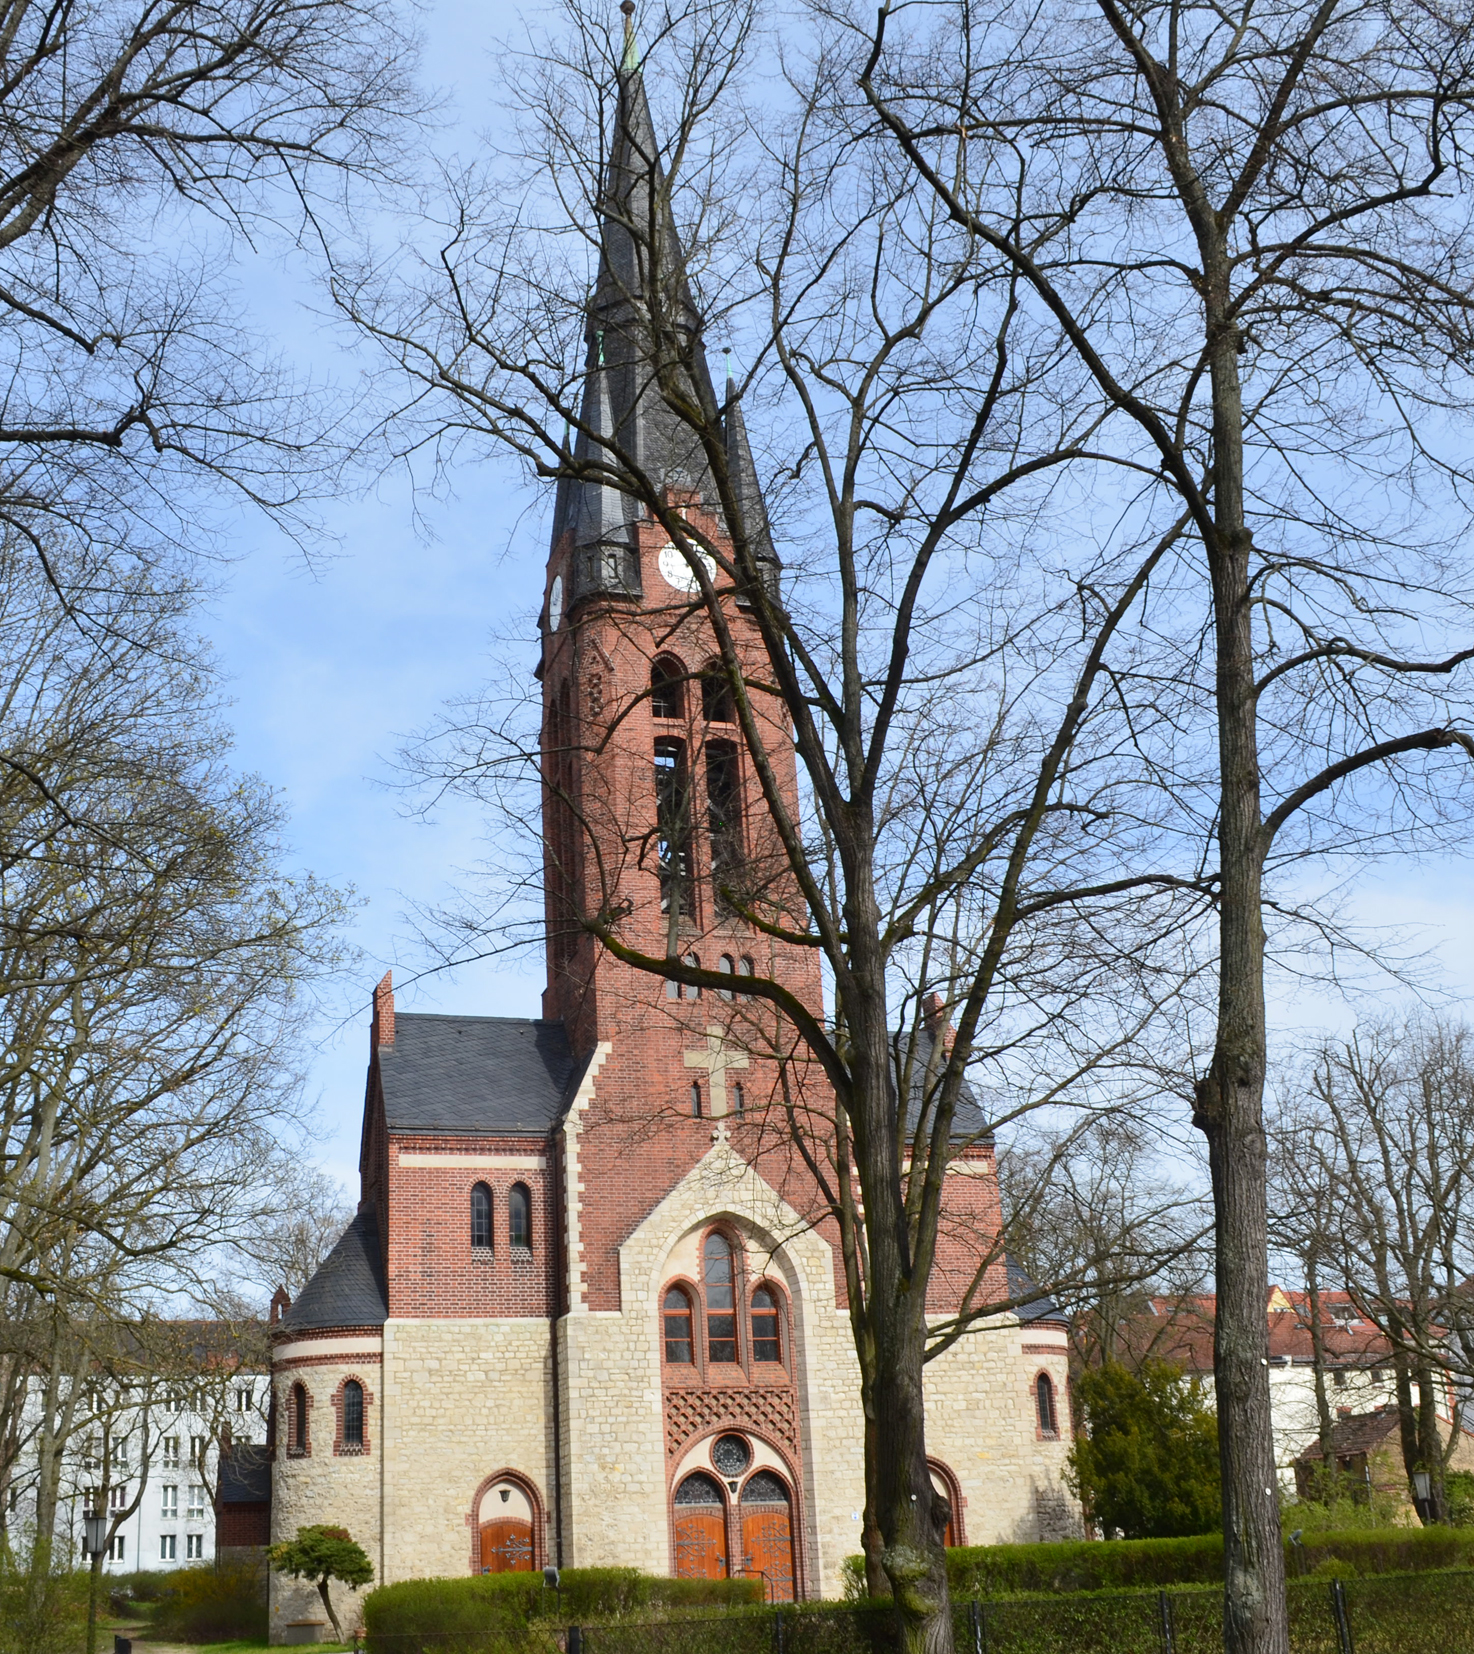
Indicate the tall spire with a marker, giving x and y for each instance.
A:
(643, 325)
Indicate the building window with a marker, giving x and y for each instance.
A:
(480, 1216)
(118, 1498)
(667, 689)
(766, 1340)
(1044, 1398)
(197, 1446)
(696, 1098)
(519, 1216)
(672, 827)
(297, 1423)
(727, 967)
(168, 1548)
(171, 1452)
(243, 1401)
(196, 1511)
(353, 1413)
(719, 1272)
(169, 1503)
(1338, 1378)
(724, 812)
(194, 1547)
(117, 1548)
(716, 697)
(739, 1100)
(678, 1341)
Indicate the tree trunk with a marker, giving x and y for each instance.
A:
(1230, 1097)
(327, 1602)
(1324, 1423)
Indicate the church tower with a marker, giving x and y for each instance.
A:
(591, 1309)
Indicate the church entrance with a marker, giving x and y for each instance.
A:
(767, 1534)
(506, 1530)
(701, 1529)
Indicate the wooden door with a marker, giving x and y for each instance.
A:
(506, 1546)
(767, 1534)
(701, 1542)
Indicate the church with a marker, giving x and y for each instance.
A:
(591, 1310)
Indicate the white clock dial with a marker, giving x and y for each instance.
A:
(677, 572)
(555, 603)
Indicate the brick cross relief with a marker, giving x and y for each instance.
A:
(716, 1059)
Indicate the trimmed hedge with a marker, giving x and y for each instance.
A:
(521, 1611)
(1126, 1564)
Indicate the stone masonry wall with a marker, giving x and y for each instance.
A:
(323, 1486)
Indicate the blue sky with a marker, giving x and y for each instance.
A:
(330, 666)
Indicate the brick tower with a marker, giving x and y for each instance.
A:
(590, 1309)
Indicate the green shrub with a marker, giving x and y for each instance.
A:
(41, 1616)
(1458, 1487)
(212, 1604)
(519, 1611)
(1126, 1564)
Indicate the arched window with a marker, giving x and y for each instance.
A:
(679, 1346)
(719, 1278)
(767, 1341)
(1044, 1397)
(716, 696)
(298, 1443)
(739, 1100)
(672, 826)
(744, 966)
(692, 990)
(724, 811)
(667, 689)
(353, 1413)
(519, 1215)
(481, 1215)
(696, 1099)
(726, 966)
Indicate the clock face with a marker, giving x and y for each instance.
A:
(676, 571)
(555, 603)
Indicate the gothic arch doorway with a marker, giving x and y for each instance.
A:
(506, 1527)
(767, 1533)
(701, 1528)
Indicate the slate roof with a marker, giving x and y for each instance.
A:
(1042, 1309)
(348, 1288)
(1361, 1433)
(245, 1475)
(478, 1075)
(969, 1122)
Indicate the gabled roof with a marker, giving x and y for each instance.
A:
(969, 1122)
(348, 1288)
(486, 1076)
(1181, 1330)
(1361, 1433)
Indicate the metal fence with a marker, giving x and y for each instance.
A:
(1430, 1613)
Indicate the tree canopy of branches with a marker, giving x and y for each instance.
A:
(1247, 230)
(136, 139)
(1374, 1178)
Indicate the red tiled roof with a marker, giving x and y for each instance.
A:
(1181, 1330)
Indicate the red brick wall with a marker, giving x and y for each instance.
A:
(432, 1267)
(242, 1525)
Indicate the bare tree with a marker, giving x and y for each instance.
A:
(970, 851)
(303, 1218)
(137, 141)
(1381, 1148)
(1247, 230)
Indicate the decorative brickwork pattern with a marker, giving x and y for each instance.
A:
(770, 1412)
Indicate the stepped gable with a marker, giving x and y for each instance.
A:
(481, 1076)
(348, 1289)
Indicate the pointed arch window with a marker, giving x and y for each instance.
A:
(1044, 1402)
(481, 1217)
(353, 1413)
(519, 1216)
(767, 1317)
(719, 1277)
(716, 697)
(680, 1347)
(724, 812)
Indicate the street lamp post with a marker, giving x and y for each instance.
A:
(94, 1540)
(1423, 1495)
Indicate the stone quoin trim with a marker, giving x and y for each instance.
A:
(342, 1449)
(540, 1516)
(573, 1190)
